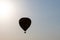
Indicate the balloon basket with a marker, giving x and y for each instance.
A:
(24, 32)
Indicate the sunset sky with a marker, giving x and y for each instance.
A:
(45, 16)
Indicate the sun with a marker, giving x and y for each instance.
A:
(5, 8)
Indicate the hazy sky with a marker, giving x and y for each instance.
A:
(45, 16)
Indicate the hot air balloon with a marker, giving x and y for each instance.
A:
(25, 23)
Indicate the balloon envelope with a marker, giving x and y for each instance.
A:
(25, 23)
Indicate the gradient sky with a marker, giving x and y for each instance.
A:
(45, 16)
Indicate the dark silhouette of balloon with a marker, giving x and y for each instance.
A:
(25, 23)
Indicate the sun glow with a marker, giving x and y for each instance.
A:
(5, 8)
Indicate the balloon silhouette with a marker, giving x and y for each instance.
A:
(25, 23)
